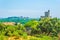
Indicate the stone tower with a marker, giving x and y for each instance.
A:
(47, 14)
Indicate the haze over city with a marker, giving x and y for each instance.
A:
(29, 8)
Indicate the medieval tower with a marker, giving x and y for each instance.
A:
(47, 14)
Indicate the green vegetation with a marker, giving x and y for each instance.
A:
(21, 19)
(44, 29)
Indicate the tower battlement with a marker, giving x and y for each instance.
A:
(47, 14)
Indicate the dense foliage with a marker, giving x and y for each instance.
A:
(44, 29)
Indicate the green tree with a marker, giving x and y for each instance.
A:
(32, 26)
(49, 25)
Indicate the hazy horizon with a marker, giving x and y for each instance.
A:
(29, 8)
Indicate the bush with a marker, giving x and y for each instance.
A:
(24, 35)
(2, 37)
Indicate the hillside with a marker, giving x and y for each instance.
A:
(21, 19)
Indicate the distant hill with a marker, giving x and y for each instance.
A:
(21, 19)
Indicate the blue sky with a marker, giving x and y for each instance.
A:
(30, 8)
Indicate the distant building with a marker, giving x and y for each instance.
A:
(47, 14)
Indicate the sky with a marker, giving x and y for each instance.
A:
(29, 8)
